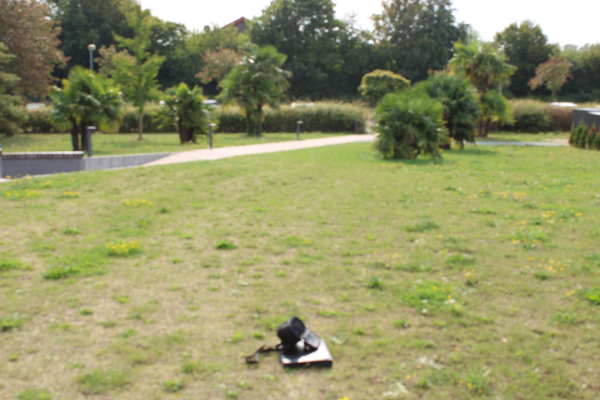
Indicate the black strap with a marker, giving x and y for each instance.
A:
(254, 358)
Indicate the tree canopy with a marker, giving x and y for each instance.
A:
(554, 73)
(417, 35)
(12, 114)
(32, 37)
(526, 47)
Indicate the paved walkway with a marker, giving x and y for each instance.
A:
(235, 151)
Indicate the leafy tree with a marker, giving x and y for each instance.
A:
(482, 64)
(90, 21)
(31, 36)
(585, 85)
(308, 33)
(12, 113)
(187, 58)
(218, 64)
(554, 73)
(526, 47)
(409, 123)
(86, 99)
(137, 74)
(417, 35)
(378, 83)
(186, 110)
(460, 101)
(258, 81)
(494, 109)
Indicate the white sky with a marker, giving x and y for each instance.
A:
(564, 22)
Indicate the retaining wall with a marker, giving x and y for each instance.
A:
(16, 165)
(587, 116)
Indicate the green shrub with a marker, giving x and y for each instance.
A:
(378, 83)
(591, 139)
(596, 144)
(583, 137)
(151, 123)
(561, 118)
(461, 106)
(318, 117)
(530, 116)
(409, 123)
(39, 121)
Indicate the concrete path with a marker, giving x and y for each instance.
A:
(235, 151)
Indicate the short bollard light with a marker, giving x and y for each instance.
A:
(356, 121)
(298, 123)
(211, 134)
(88, 139)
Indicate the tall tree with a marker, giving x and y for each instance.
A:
(86, 99)
(258, 81)
(308, 33)
(218, 64)
(554, 73)
(137, 74)
(526, 47)
(12, 112)
(417, 35)
(31, 36)
(90, 21)
(585, 85)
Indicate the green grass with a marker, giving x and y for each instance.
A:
(523, 137)
(477, 276)
(112, 144)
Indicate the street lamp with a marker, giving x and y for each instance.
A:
(298, 123)
(91, 48)
(211, 134)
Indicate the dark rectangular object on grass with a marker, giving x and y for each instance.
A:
(587, 117)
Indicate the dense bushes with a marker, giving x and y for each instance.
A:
(584, 138)
(318, 117)
(533, 116)
(410, 123)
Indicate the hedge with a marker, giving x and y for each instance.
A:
(319, 117)
(533, 116)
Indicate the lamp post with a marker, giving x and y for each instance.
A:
(298, 123)
(356, 121)
(89, 131)
(211, 134)
(91, 48)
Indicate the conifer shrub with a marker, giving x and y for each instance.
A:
(596, 144)
(583, 136)
(591, 139)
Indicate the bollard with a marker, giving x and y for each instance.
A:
(211, 134)
(356, 121)
(298, 123)
(89, 131)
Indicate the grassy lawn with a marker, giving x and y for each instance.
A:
(473, 277)
(111, 144)
(523, 137)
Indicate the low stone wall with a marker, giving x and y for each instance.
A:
(115, 162)
(16, 165)
(587, 116)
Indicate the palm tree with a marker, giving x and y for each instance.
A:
(485, 67)
(87, 99)
(461, 105)
(482, 64)
(258, 81)
(185, 109)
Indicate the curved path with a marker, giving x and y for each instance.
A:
(235, 151)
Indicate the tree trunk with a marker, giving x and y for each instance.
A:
(182, 132)
(141, 124)
(82, 130)
(75, 136)
(488, 127)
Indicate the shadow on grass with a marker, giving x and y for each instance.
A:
(427, 161)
